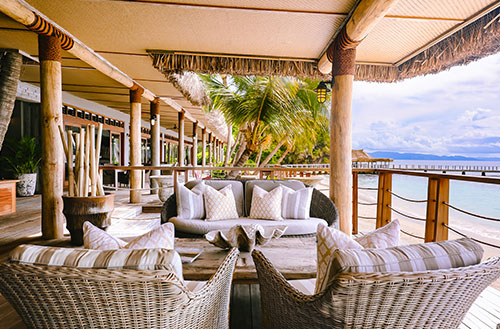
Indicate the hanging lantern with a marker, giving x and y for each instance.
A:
(321, 92)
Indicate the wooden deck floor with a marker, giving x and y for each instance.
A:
(24, 227)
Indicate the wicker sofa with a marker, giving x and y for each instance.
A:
(69, 297)
(430, 299)
(322, 210)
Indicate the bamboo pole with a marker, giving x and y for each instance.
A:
(81, 171)
(93, 183)
(203, 147)
(135, 144)
(87, 163)
(182, 155)
(100, 187)
(69, 158)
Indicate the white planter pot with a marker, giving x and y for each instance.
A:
(26, 185)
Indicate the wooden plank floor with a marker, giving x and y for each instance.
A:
(24, 227)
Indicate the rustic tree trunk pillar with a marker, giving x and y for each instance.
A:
(203, 147)
(135, 143)
(10, 71)
(384, 199)
(194, 159)
(182, 155)
(155, 141)
(49, 50)
(341, 130)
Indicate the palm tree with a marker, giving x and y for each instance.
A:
(262, 107)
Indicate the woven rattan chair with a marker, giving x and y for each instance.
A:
(433, 299)
(64, 297)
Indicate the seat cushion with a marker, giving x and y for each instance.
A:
(134, 259)
(267, 185)
(219, 205)
(266, 205)
(411, 258)
(201, 227)
(190, 202)
(296, 203)
(218, 184)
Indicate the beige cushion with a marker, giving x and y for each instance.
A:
(411, 258)
(331, 239)
(296, 203)
(219, 204)
(266, 205)
(137, 259)
(267, 185)
(95, 238)
(218, 184)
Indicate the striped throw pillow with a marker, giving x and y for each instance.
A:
(331, 239)
(135, 259)
(190, 202)
(411, 258)
(266, 205)
(296, 204)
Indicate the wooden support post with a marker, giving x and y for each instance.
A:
(194, 150)
(354, 203)
(203, 147)
(438, 192)
(210, 149)
(135, 143)
(49, 51)
(181, 153)
(155, 141)
(384, 199)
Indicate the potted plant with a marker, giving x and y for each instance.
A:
(23, 157)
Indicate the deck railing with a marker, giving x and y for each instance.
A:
(438, 206)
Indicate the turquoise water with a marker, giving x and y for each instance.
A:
(479, 198)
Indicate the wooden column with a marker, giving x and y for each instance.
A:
(135, 143)
(155, 140)
(216, 150)
(210, 149)
(180, 150)
(49, 51)
(384, 199)
(194, 158)
(203, 147)
(438, 192)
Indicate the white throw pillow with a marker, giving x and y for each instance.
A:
(266, 205)
(220, 204)
(296, 204)
(331, 239)
(95, 238)
(190, 201)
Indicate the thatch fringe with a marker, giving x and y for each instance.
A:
(191, 87)
(477, 40)
(469, 44)
(169, 63)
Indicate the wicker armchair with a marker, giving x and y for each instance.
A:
(64, 297)
(433, 299)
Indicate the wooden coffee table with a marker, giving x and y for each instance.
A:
(295, 258)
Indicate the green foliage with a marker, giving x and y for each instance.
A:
(23, 157)
(263, 107)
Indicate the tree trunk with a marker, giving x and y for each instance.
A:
(241, 162)
(228, 147)
(241, 149)
(237, 142)
(259, 156)
(10, 71)
(268, 158)
(283, 156)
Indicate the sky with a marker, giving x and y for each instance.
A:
(455, 112)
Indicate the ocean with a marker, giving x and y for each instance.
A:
(479, 198)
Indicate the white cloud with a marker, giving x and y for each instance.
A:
(453, 112)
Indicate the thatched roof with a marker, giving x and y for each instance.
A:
(362, 156)
(471, 42)
(191, 87)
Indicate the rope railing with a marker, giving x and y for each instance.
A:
(405, 199)
(470, 213)
(366, 217)
(367, 203)
(465, 236)
(368, 188)
(406, 215)
(412, 235)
